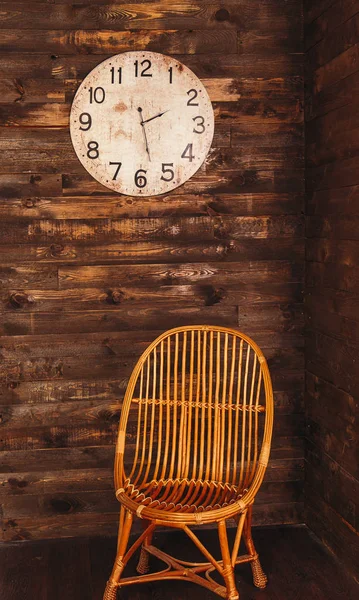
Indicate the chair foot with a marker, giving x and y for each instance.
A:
(110, 591)
(259, 577)
(143, 566)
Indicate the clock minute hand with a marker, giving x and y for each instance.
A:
(144, 133)
(155, 117)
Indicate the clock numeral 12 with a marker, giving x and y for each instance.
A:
(170, 70)
(143, 72)
(98, 95)
(117, 170)
(113, 75)
(166, 169)
(188, 152)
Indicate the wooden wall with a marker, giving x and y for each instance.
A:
(88, 278)
(332, 295)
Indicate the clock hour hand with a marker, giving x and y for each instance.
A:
(155, 117)
(144, 133)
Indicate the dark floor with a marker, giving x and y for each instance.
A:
(298, 567)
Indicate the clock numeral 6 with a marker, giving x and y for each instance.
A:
(85, 119)
(166, 169)
(199, 124)
(193, 96)
(188, 152)
(92, 151)
(117, 170)
(143, 72)
(140, 180)
(98, 95)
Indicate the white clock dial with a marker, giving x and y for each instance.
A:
(141, 123)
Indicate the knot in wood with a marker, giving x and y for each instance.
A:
(19, 299)
(115, 297)
(222, 15)
(56, 249)
(29, 203)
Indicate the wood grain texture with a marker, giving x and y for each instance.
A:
(88, 278)
(331, 297)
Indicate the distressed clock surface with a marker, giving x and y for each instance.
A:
(141, 123)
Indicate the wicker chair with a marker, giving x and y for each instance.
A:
(192, 449)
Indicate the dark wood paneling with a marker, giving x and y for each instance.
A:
(89, 278)
(332, 379)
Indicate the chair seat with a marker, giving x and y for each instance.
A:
(183, 495)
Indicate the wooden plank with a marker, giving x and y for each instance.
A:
(164, 316)
(330, 98)
(112, 41)
(312, 10)
(334, 361)
(334, 276)
(340, 538)
(337, 13)
(95, 276)
(251, 65)
(340, 40)
(42, 161)
(27, 582)
(69, 571)
(97, 479)
(155, 252)
(170, 40)
(150, 229)
(333, 147)
(50, 505)
(339, 303)
(334, 201)
(54, 114)
(340, 227)
(333, 175)
(35, 276)
(83, 524)
(330, 323)
(333, 484)
(182, 15)
(337, 69)
(220, 181)
(282, 318)
(165, 206)
(331, 125)
(267, 134)
(327, 403)
(62, 301)
(277, 90)
(34, 185)
(103, 431)
(125, 345)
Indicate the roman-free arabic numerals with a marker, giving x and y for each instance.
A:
(188, 152)
(144, 70)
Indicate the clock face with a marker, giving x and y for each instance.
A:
(141, 123)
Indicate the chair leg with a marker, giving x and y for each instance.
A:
(259, 577)
(119, 565)
(228, 571)
(143, 566)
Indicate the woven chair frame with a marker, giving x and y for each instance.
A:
(192, 449)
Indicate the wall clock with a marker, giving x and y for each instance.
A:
(141, 123)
